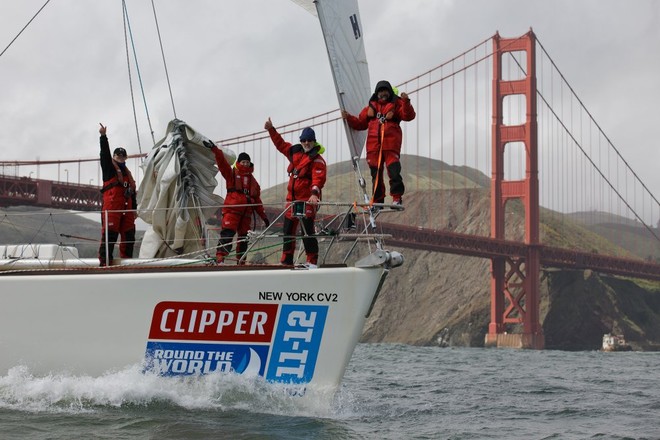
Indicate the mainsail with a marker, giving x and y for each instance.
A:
(342, 31)
(176, 195)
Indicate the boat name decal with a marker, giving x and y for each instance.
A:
(298, 296)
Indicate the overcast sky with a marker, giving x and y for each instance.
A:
(232, 63)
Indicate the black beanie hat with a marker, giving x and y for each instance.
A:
(308, 134)
(243, 156)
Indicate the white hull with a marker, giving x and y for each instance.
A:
(291, 326)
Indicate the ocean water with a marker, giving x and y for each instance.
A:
(389, 392)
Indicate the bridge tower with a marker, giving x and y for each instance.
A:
(515, 282)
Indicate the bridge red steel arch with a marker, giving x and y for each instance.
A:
(515, 281)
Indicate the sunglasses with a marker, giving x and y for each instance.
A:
(307, 140)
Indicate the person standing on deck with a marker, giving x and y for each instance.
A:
(382, 117)
(119, 202)
(307, 175)
(243, 200)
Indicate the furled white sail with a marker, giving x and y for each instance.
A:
(342, 31)
(176, 195)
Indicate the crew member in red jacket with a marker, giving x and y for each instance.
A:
(243, 200)
(382, 118)
(119, 202)
(307, 174)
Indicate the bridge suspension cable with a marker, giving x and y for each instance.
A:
(580, 144)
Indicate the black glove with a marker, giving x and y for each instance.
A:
(208, 144)
(266, 222)
(213, 221)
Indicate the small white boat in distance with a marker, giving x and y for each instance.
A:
(615, 343)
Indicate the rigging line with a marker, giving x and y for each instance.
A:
(137, 70)
(162, 52)
(24, 27)
(130, 78)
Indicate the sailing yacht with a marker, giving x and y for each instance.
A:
(173, 311)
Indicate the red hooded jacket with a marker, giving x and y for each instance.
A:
(119, 188)
(307, 171)
(391, 136)
(242, 187)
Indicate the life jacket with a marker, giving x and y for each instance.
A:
(237, 184)
(303, 168)
(119, 192)
(121, 178)
(382, 109)
(242, 189)
(300, 171)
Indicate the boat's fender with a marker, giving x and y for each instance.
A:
(381, 258)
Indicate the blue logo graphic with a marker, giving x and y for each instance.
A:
(296, 345)
(182, 358)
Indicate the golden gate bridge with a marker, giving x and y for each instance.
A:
(498, 121)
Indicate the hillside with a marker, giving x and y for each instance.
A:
(625, 233)
(612, 234)
(419, 173)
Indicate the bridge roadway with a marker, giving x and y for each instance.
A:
(49, 194)
(486, 247)
(61, 195)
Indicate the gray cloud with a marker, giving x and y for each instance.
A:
(233, 63)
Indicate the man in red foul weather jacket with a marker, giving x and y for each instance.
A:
(243, 200)
(307, 175)
(381, 117)
(119, 202)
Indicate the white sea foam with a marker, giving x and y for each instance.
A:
(62, 393)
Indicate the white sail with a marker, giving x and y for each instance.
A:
(342, 31)
(176, 195)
